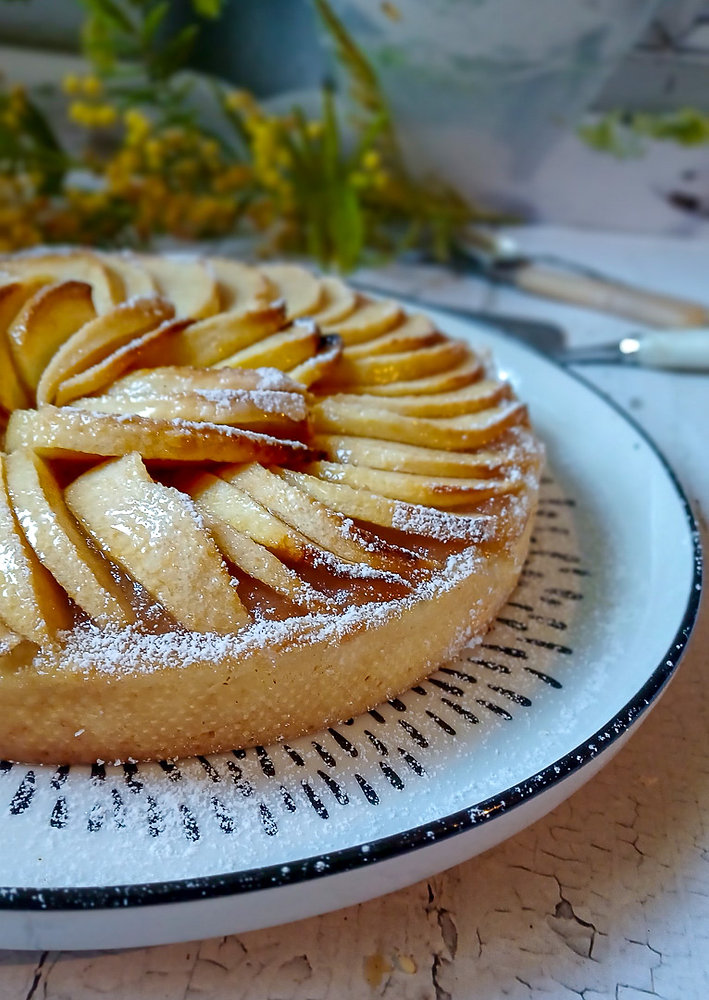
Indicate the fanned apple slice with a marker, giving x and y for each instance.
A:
(31, 602)
(44, 323)
(188, 282)
(337, 302)
(395, 457)
(461, 433)
(376, 509)
(155, 534)
(284, 350)
(322, 364)
(429, 491)
(470, 399)
(124, 358)
(168, 379)
(137, 283)
(300, 290)
(210, 340)
(371, 319)
(261, 564)
(61, 266)
(445, 381)
(381, 369)
(13, 296)
(415, 331)
(50, 529)
(68, 433)
(99, 338)
(277, 413)
(241, 286)
(327, 528)
(222, 500)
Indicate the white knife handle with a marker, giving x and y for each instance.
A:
(645, 307)
(683, 350)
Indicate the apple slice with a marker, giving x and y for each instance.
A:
(322, 364)
(440, 491)
(261, 564)
(155, 534)
(445, 381)
(62, 266)
(327, 528)
(13, 296)
(412, 458)
(338, 301)
(461, 433)
(300, 290)
(99, 338)
(376, 509)
(188, 282)
(241, 286)
(210, 340)
(470, 399)
(414, 331)
(278, 413)
(284, 350)
(44, 323)
(68, 433)
(168, 379)
(31, 602)
(130, 355)
(136, 281)
(369, 320)
(50, 529)
(385, 368)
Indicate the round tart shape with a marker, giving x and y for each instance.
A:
(236, 503)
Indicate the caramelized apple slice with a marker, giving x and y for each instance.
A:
(470, 399)
(370, 319)
(137, 283)
(13, 296)
(210, 340)
(188, 282)
(168, 379)
(155, 534)
(31, 602)
(68, 433)
(427, 490)
(327, 528)
(322, 364)
(471, 430)
(300, 290)
(130, 355)
(261, 564)
(240, 286)
(284, 350)
(64, 266)
(278, 413)
(376, 509)
(413, 458)
(382, 369)
(45, 322)
(337, 302)
(100, 337)
(445, 381)
(59, 544)
(415, 331)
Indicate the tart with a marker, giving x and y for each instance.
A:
(236, 503)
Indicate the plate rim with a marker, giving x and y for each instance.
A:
(125, 896)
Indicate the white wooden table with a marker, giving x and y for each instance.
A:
(607, 898)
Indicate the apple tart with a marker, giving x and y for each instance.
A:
(237, 503)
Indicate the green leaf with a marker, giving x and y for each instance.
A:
(111, 13)
(153, 19)
(208, 8)
(346, 227)
(174, 53)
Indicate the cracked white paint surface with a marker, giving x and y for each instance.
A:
(606, 898)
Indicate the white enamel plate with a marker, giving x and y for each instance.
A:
(109, 857)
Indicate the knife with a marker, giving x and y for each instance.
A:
(500, 259)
